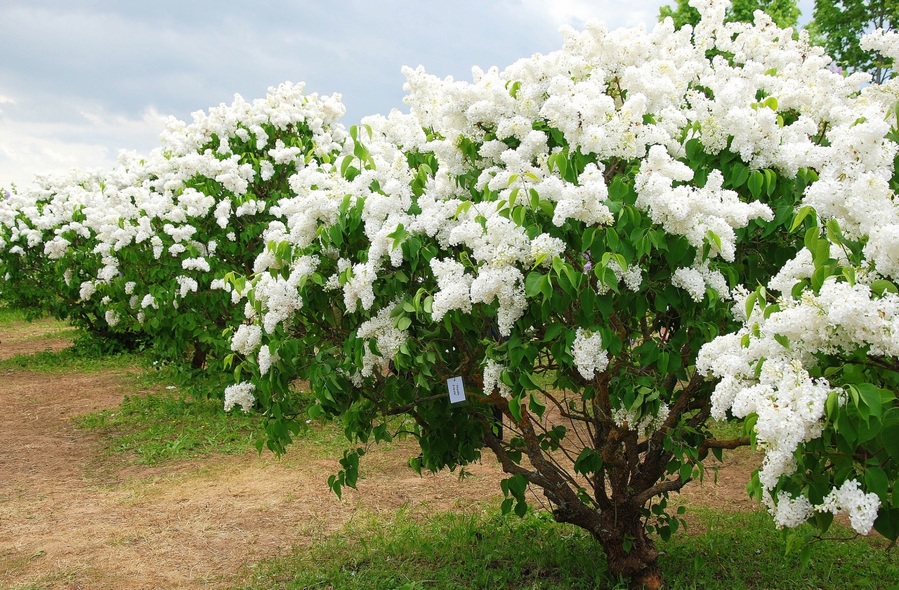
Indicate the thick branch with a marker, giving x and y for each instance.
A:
(668, 485)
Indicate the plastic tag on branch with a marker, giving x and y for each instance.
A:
(456, 390)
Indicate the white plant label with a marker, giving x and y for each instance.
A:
(456, 390)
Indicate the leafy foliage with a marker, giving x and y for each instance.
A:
(839, 26)
(784, 13)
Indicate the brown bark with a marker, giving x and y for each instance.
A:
(618, 527)
(631, 553)
(199, 357)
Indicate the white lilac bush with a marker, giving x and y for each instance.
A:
(143, 249)
(610, 245)
(576, 262)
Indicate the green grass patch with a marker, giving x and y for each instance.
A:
(444, 550)
(69, 360)
(725, 430)
(454, 551)
(158, 427)
(9, 315)
(744, 551)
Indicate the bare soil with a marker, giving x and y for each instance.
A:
(72, 518)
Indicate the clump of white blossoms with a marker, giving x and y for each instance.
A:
(386, 335)
(589, 355)
(246, 339)
(650, 422)
(240, 394)
(492, 379)
(454, 287)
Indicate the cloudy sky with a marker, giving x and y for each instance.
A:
(82, 79)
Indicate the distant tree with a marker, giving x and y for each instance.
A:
(839, 25)
(682, 14)
(785, 13)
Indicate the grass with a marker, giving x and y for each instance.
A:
(10, 315)
(412, 550)
(69, 360)
(416, 550)
(181, 417)
(158, 427)
(745, 551)
(154, 428)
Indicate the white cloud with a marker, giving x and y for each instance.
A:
(614, 13)
(31, 149)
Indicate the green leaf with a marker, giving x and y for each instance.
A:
(800, 217)
(532, 283)
(833, 232)
(782, 340)
(739, 173)
(515, 408)
(832, 405)
(877, 482)
(873, 397)
(750, 302)
(612, 239)
(756, 181)
(536, 405)
(553, 331)
(811, 239)
(770, 181)
(881, 286)
(588, 462)
(890, 436)
(887, 523)
(587, 238)
(713, 239)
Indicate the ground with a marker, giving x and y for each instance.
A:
(71, 517)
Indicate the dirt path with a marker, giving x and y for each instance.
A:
(69, 521)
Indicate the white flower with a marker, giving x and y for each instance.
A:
(861, 507)
(195, 264)
(545, 248)
(386, 335)
(265, 359)
(112, 317)
(589, 355)
(240, 394)
(492, 381)
(454, 288)
(87, 289)
(186, 285)
(246, 339)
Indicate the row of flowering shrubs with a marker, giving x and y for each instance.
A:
(611, 245)
(140, 251)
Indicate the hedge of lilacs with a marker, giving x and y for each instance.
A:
(611, 245)
(141, 251)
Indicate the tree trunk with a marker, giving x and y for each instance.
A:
(199, 358)
(631, 553)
